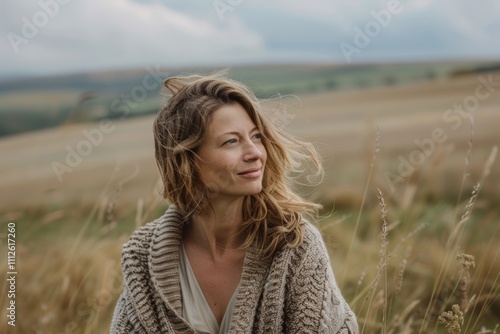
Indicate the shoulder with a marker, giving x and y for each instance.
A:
(312, 235)
(141, 239)
(312, 243)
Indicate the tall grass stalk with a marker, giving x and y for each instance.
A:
(494, 292)
(363, 200)
(458, 230)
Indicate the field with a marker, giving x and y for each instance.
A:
(410, 198)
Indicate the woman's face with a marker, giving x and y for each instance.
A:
(232, 157)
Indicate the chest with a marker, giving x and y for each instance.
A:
(217, 280)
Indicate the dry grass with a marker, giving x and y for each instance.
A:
(417, 270)
(421, 274)
(403, 259)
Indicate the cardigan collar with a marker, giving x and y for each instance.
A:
(163, 261)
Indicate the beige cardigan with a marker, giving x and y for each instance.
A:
(295, 292)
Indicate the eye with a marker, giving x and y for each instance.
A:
(230, 141)
(258, 136)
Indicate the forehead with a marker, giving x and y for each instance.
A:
(230, 118)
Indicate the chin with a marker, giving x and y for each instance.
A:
(251, 191)
(255, 191)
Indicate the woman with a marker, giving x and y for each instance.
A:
(234, 253)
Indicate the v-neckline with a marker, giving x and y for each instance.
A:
(164, 268)
(199, 292)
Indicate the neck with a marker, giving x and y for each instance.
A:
(218, 230)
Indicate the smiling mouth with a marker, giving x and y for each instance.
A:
(251, 172)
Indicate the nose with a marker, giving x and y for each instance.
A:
(252, 151)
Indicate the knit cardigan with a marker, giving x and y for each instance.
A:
(294, 292)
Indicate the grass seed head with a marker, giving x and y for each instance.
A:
(452, 320)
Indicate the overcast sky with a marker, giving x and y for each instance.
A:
(59, 36)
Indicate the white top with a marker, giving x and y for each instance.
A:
(195, 308)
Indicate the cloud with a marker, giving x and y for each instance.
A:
(93, 34)
(426, 30)
(119, 33)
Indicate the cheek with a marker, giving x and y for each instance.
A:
(264, 153)
(216, 174)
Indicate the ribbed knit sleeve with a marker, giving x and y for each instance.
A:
(150, 300)
(314, 303)
(121, 322)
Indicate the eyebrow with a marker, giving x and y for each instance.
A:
(236, 132)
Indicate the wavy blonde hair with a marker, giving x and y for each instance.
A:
(272, 218)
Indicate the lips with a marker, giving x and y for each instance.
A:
(254, 172)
